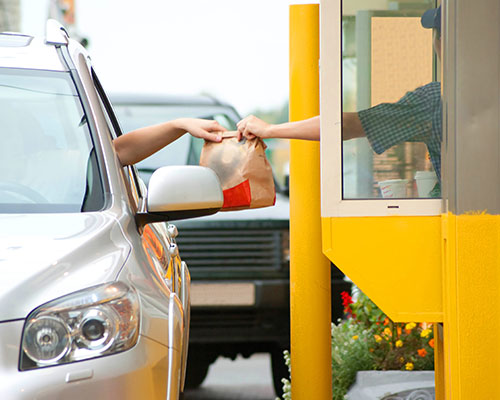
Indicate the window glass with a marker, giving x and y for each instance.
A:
(47, 162)
(391, 101)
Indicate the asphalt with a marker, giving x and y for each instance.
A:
(241, 379)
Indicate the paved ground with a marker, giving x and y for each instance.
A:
(242, 379)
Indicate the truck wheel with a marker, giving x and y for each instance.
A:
(198, 363)
(280, 370)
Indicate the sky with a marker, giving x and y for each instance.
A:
(236, 50)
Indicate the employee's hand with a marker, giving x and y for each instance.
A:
(251, 127)
(202, 128)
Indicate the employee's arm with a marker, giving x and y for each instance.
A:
(308, 129)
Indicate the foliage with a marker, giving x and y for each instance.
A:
(368, 340)
(350, 353)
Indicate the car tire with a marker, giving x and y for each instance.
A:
(279, 369)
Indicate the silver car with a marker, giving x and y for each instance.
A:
(94, 298)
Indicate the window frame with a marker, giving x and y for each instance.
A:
(137, 191)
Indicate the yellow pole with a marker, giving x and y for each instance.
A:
(310, 290)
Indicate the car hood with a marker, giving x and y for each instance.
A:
(45, 256)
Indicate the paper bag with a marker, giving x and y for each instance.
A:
(243, 170)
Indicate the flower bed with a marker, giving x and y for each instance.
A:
(368, 340)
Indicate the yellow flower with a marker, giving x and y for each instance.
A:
(425, 333)
(409, 326)
(401, 360)
(387, 332)
(399, 343)
(378, 339)
(355, 337)
(409, 366)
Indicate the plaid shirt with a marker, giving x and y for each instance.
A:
(416, 117)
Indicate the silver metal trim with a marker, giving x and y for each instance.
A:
(471, 142)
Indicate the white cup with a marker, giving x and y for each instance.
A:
(426, 180)
(393, 188)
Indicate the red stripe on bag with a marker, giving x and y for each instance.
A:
(237, 196)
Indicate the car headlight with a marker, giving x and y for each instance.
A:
(90, 323)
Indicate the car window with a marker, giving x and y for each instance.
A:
(47, 162)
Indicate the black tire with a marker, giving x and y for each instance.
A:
(197, 367)
(280, 370)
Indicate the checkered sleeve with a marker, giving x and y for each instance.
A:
(408, 120)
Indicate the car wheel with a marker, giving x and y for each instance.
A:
(280, 370)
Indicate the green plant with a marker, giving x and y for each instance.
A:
(350, 353)
(368, 340)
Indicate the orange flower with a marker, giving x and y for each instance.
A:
(399, 330)
(386, 321)
(378, 339)
(387, 332)
(431, 342)
(422, 352)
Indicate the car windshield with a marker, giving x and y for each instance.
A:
(185, 150)
(47, 162)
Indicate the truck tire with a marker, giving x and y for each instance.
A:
(196, 373)
(198, 363)
(279, 369)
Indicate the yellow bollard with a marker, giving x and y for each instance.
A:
(310, 275)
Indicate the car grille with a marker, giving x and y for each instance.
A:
(232, 248)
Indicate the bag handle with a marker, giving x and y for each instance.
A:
(229, 134)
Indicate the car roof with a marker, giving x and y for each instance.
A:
(36, 54)
(24, 51)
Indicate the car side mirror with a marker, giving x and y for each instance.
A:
(181, 192)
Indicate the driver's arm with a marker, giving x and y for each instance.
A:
(139, 144)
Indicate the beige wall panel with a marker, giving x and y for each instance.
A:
(401, 57)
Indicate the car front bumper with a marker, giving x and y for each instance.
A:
(139, 373)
